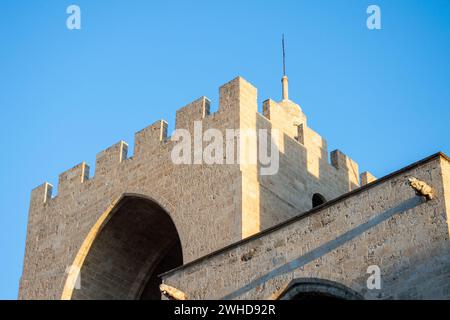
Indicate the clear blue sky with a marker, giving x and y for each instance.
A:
(382, 97)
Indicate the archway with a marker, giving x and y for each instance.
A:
(317, 289)
(137, 242)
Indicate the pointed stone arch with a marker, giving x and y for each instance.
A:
(129, 245)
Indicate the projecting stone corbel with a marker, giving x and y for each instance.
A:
(172, 293)
(421, 188)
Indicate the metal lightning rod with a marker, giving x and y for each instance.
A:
(284, 55)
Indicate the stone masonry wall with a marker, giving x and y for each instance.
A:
(384, 224)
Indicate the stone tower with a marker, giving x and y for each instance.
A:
(110, 235)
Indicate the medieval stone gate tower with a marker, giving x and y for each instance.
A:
(225, 230)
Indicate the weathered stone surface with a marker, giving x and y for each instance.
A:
(127, 221)
(384, 224)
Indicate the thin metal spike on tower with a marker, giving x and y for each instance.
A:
(284, 55)
(284, 80)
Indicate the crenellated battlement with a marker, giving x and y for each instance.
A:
(312, 140)
(108, 159)
(366, 178)
(41, 194)
(77, 174)
(285, 116)
(194, 111)
(341, 161)
(150, 138)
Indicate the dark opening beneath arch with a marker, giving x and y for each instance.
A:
(135, 245)
(317, 200)
(317, 289)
